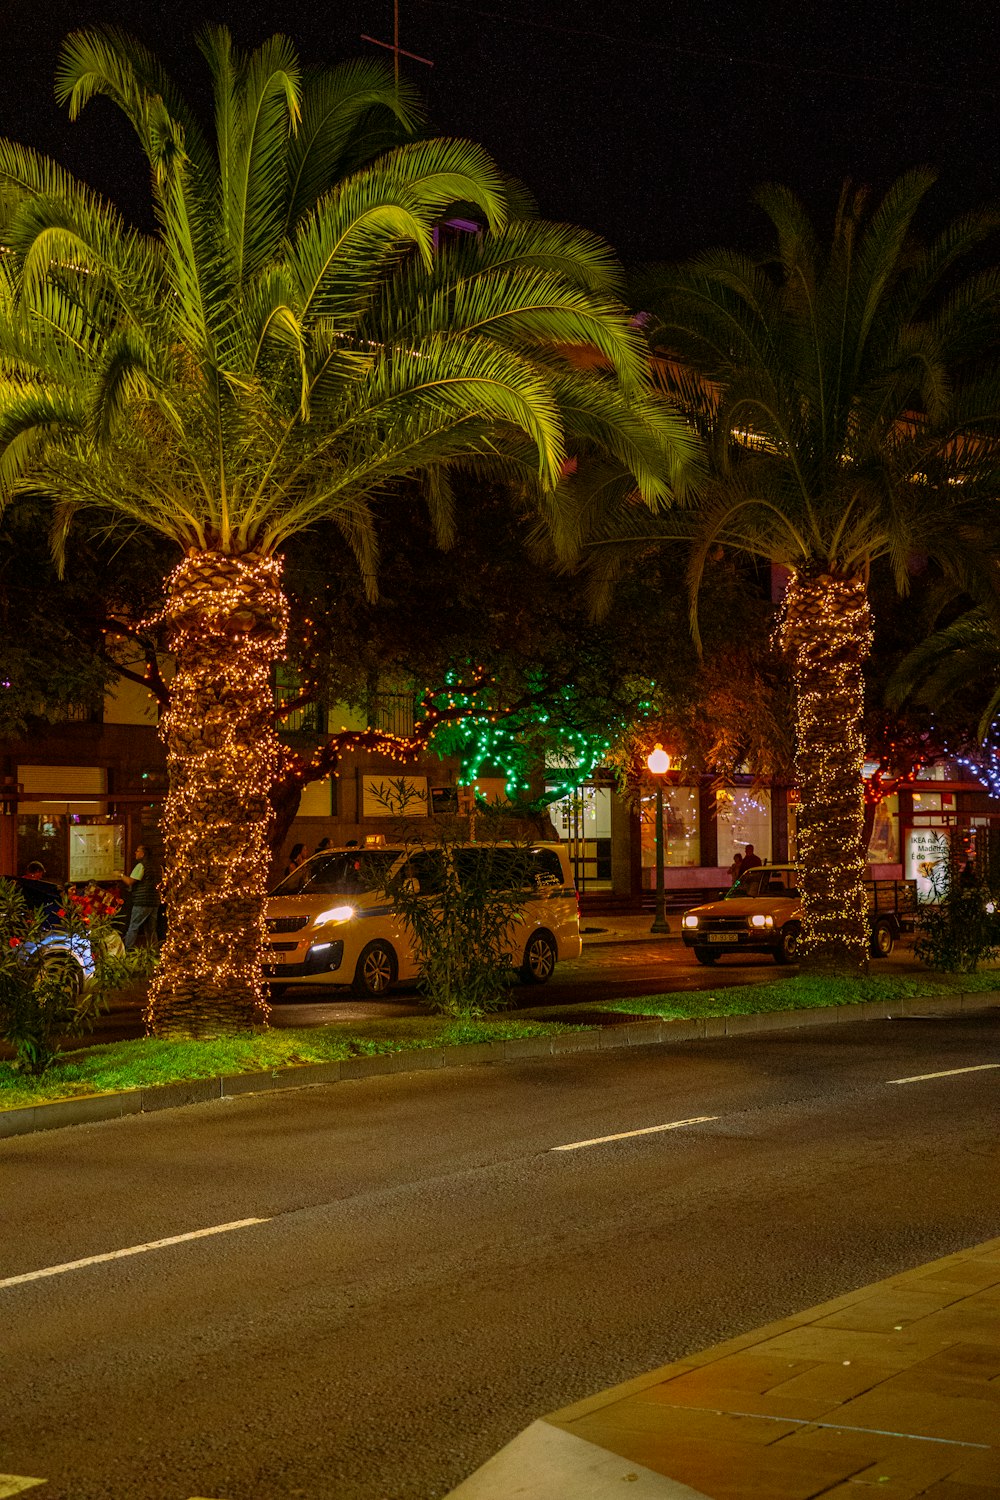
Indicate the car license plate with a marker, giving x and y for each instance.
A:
(723, 937)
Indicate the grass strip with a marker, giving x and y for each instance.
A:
(143, 1062)
(802, 992)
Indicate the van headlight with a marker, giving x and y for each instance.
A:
(335, 914)
(759, 920)
(689, 919)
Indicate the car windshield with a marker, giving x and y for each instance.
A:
(762, 881)
(348, 872)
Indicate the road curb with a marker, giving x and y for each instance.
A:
(96, 1108)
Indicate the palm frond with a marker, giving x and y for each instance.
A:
(345, 122)
(257, 110)
(109, 61)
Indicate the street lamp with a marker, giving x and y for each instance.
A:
(658, 762)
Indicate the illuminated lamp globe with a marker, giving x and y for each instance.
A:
(658, 761)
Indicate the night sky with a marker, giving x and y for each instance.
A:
(648, 123)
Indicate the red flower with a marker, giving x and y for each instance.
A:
(15, 942)
(61, 912)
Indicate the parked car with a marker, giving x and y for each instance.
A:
(763, 914)
(331, 922)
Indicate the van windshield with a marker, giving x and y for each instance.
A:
(350, 872)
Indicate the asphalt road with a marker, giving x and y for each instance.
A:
(430, 1273)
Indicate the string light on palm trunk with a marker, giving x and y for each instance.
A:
(226, 619)
(826, 628)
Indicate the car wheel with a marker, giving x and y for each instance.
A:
(375, 972)
(787, 951)
(539, 958)
(706, 956)
(883, 940)
(275, 991)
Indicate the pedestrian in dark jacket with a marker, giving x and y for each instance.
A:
(143, 883)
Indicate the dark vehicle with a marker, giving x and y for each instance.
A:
(70, 951)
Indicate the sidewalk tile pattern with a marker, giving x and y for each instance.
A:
(892, 1391)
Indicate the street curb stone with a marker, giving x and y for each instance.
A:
(97, 1108)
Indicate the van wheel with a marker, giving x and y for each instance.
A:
(787, 951)
(375, 972)
(275, 991)
(539, 959)
(883, 940)
(706, 956)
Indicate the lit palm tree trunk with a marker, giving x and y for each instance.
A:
(827, 631)
(226, 617)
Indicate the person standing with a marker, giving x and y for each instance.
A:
(145, 897)
(735, 869)
(751, 861)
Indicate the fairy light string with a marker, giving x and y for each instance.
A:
(226, 620)
(825, 626)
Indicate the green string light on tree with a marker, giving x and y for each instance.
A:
(511, 743)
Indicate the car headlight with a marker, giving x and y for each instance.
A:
(759, 920)
(689, 919)
(335, 914)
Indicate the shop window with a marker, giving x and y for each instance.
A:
(584, 813)
(60, 801)
(681, 827)
(883, 846)
(743, 817)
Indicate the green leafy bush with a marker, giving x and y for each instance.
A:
(459, 900)
(961, 931)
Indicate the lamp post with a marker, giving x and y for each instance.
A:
(658, 762)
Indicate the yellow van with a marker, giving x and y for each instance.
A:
(330, 921)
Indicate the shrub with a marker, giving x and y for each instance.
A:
(43, 992)
(459, 901)
(959, 932)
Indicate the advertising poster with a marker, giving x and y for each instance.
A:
(394, 797)
(927, 862)
(92, 852)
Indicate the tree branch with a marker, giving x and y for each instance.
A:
(152, 679)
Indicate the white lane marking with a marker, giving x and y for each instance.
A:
(949, 1073)
(16, 1484)
(625, 1135)
(96, 1260)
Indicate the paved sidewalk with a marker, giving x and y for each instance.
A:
(625, 927)
(891, 1391)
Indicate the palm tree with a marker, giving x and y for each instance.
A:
(825, 382)
(287, 347)
(959, 661)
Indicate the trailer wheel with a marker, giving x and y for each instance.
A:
(883, 940)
